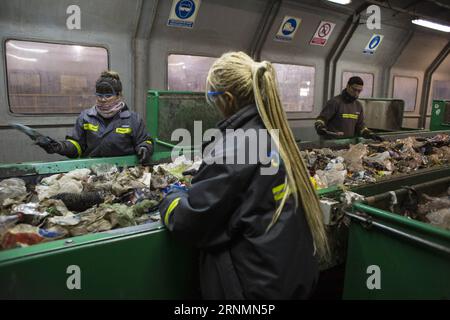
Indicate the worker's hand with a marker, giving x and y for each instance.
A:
(48, 144)
(376, 137)
(321, 129)
(191, 172)
(144, 156)
(173, 187)
(339, 134)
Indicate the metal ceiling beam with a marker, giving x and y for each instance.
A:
(426, 86)
(403, 10)
(265, 24)
(338, 48)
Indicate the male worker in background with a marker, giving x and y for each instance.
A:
(342, 116)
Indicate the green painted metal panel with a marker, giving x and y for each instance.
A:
(171, 110)
(412, 258)
(146, 263)
(34, 168)
(440, 115)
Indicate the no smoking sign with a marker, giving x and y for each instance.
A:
(322, 33)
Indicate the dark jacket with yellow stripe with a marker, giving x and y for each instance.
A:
(226, 213)
(342, 114)
(93, 136)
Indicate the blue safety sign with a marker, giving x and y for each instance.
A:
(183, 13)
(373, 44)
(288, 28)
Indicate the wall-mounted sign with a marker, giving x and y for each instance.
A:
(183, 13)
(288, 28)
(322, 34)
(373, 43)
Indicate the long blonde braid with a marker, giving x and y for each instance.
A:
(252, 82)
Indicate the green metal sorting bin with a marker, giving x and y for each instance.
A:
(140, 262)
(411, 259)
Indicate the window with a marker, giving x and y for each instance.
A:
(405, 88)
(441, 90)
(296, 85)
(188, 73)
(367, 79)
(47, 78)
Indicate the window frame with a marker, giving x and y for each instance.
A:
(182, 54)
(352, 71)
(417, 90)
(314, 66)
(5, 67)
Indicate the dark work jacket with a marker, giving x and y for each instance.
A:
(341, 114)
(93, 136)
(226, 213)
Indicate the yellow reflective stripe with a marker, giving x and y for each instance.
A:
(77, 145)
(279, 196)
(123, 130)
(349, 116)
(148, 141)
(278, 188)
(172, 206)
(90, 127)
(279, 192)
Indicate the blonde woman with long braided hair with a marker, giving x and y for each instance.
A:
(260, 235)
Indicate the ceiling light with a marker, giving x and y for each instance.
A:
(431, 25)
(340, 1)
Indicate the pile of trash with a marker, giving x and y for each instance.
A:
(85, 201)
(367, 163)
(425, 208)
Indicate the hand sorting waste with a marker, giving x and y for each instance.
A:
(85, 201)
(103, 197)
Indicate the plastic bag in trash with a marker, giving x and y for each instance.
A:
(11, 189)
(24, 235)
(30, 213)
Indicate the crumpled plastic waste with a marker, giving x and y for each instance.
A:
(180, 165)
(86, 200)
(29, 213)
(328, 178)
(354, 157)
(367, 163)
(440, 218)
(380, 161)
(11, 189)
(348, 198)
(23, 235)
(60, 183)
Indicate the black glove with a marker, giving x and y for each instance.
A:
(145, 154)
(377, 138)
(373, 136)
(321, 129)
(191, 172)
(49, 145)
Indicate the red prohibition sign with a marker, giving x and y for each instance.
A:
(324, 30)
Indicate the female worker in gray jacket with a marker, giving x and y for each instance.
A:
(107, 129)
